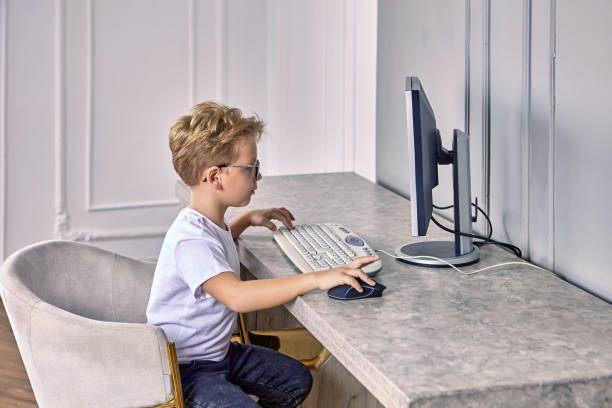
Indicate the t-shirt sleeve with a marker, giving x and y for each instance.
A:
(198, 260)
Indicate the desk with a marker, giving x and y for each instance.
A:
(511, 336)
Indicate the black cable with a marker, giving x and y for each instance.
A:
(485, 241)
(488, 239)
(516, 250)
(477, 208)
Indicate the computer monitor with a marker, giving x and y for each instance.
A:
(425, 153)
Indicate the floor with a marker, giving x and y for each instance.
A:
(15, 390)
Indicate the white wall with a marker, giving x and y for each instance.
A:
(409, 45)
(582, 147)
(88, 90)
(537, 109)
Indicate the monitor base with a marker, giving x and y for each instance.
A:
(440, 249)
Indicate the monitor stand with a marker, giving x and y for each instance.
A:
(440, 249)
(461, 251)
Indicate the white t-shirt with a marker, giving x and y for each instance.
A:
(194, 250)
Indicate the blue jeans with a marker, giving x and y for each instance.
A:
(278, 380)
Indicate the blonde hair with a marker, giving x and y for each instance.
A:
(209, 136)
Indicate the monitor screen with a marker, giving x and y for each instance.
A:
(423, 147)
(425, 153)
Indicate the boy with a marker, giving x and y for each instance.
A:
(196, 290)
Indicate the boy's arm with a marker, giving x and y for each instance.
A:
(260, 218)
(247, 296)
(239, 224)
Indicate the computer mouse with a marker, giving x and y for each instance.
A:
(347, 292)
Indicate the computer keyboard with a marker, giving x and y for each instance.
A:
(316, 247)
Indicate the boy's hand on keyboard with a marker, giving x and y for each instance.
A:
(264, 218)
(346, 274)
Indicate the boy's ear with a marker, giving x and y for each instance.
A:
(204, 176)
(212, 176)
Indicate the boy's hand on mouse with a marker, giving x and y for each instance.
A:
(264, 218)
(345, 275)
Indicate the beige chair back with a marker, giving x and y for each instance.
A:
(77, 313)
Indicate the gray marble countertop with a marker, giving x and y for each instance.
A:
(510, 336)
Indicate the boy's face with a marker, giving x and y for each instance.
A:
(239, 183)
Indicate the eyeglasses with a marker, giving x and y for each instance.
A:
(244, 166)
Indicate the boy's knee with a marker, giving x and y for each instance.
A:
(305, 384)
(296, 389)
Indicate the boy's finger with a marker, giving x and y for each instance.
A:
(364, 277)
(284, 219)
(270, 225)
(364, 260)
(353, 282)
(359, 273)
(289, 212)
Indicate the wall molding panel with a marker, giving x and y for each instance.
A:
(89, 145)
(3, 127)
(91, 235)
(117, 78)
(468, 23)
(365, 30)
(63, 228)
(551, 135)
(538, 186)
(192, 44)
(89, 102)
(526, 130)
(221, 62)
(509, 101)
(61, 225)
(127, 205)
(348, 61)
(486, 112)
(475, 100)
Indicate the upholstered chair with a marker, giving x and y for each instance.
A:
(78, 314)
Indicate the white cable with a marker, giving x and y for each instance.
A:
(457, 269)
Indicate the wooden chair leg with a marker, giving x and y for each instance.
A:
(242, 330)
(175, 378)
